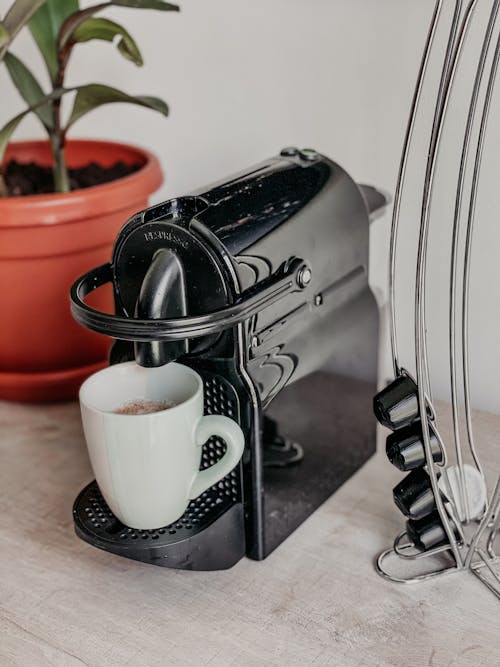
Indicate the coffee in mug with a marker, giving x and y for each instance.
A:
(143, 407)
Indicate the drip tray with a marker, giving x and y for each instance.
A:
(209, 536)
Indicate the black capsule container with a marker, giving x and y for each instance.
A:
(405, 447)
(429, 532)
(396, 406)
(413, 496)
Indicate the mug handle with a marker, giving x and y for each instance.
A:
(232, 435)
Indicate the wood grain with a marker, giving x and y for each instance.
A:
(315, 601)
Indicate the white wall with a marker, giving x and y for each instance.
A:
(244, 79)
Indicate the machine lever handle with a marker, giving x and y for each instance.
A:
(251, 302)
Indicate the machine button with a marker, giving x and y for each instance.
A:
(289, 151)
(308, 154)
(304, 276)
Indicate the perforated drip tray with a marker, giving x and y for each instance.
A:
(95, 515)
(189, 543)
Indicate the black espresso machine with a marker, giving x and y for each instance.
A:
(260, 284)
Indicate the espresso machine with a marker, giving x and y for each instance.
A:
(260, 284)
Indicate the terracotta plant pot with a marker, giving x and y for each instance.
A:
(46, 241)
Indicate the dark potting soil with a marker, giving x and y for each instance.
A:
(32, 179)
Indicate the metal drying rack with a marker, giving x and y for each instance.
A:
(469, 543)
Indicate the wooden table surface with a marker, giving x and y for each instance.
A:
(315, 601)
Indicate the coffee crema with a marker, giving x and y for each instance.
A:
(142, 406)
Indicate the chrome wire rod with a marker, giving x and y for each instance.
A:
(454, 264)
(490, 545)
(381, 571)
(420, 286)
(401, 182)
(400, 549)
(444, 462)
(444, 91)
(486, 520)
(494, 588)
(468, 242)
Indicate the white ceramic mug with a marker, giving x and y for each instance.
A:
(147, 466)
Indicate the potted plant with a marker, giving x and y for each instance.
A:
(62, 201)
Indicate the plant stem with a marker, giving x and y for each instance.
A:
(57, 141)
(58, 135)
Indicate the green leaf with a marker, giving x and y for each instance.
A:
(94, 95)
(4, 35)
(147, 4)
(75, 20)
(108, 31)
(45, 25)
(8, 130)
(29, 88)
(18, 15)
